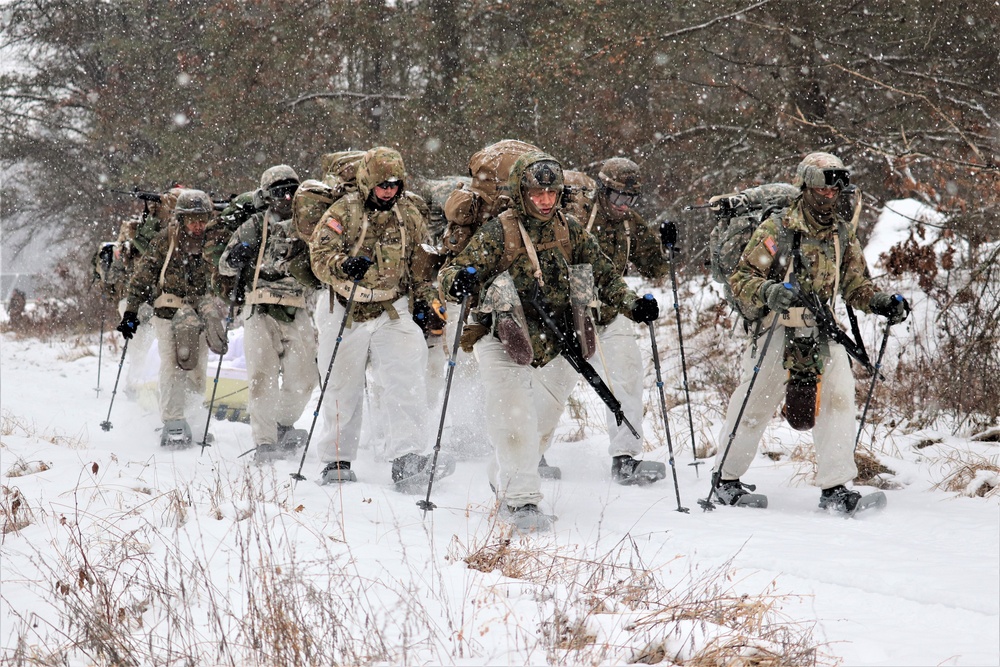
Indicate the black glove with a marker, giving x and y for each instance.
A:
(129, 325)
(107, 254)
(777, 296)
(239, 255)
(425, 316)
(894, 307)
(356, 267)
(668, 233)
(466, 282)
(645, 310)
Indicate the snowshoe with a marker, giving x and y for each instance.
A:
(872, 501)
(412, 472)
(545, 471)
(628, 471)
(291, 438)
(176, 434)
(527, 518)
(337, 472)
(735, 493)
(267, 452)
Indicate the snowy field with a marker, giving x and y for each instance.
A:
(116, 552)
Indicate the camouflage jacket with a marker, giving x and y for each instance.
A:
(485, 251)
(179, 258)
(627, 241)
(769, 253)
(390, 238)
(285, 275)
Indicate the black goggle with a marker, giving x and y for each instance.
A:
(282, 192)
(385, 185)
(622, 198)
(837, 178)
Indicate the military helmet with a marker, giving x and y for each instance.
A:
(193, 202)
(545, 174)
(380, 165)
(281, 173)
(821, 170)
(622, 175)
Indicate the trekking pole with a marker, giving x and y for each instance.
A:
(218, 369)
(297, 476)
(426, 503)
(669, 234)
(666, 424)
(100, 345)
(707, 503)
(106, 424)
(871, 387)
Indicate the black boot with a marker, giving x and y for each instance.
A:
(839, 498)
(337, 472)
(628, 471)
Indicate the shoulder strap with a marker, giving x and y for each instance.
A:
(260, 252)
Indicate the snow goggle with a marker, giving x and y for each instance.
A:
(386, 185)
(625, 199)
(283, 191)
(827, 178)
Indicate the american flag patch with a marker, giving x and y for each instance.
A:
(771, 246)
(335, 225)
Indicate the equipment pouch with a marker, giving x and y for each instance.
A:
(186, 327)
(583, 301)
(503, 302)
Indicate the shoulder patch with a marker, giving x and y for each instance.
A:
(335, 225)
(771, 246)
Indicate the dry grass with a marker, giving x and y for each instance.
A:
(970, 474)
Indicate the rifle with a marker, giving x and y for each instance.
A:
(828, 326)
(143, 195)
(569, 348)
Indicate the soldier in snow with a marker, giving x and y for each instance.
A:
(532, 257)
(365, 245)
(173, 275)
(279, 340)
(812, 246)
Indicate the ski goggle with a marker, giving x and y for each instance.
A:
(827, 178)
(283, 191)
(386, 185)
(617, 198)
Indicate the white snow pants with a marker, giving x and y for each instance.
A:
(176, 385)
(523, 407)
(273, 349)
(619, 363)
(396, 353)
(833, 433)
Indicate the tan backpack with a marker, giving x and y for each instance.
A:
(310, 203)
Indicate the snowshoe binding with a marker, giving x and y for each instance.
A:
(628, 471)
(735, 493)
(527, 518)
(545, 471)
(839, 499)
(412, 472)
(176, 434)
(291, 438)
(267, 452)
(337, 472)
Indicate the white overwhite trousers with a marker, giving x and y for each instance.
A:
(176, 385)
(523, 407)
(281, 367)
(619, 363)
(396, 353)
(833, 432)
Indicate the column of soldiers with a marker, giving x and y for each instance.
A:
(355, 291)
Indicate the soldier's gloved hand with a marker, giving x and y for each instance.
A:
(356, 267)
(734, 204)
(466, 282)
(239, 255)
(129, 325)
(107, 254)
(427, 318)
(668, 233)
(777, 296)
(645, 310)
(892, 306)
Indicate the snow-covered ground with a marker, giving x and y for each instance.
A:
(113, 544)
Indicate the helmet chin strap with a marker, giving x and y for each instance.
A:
(820, 208)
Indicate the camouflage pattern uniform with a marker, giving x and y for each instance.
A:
(799, 351)
(625, 238)
(380, 334)
(524, 402)
(279, 339)
(173, 275)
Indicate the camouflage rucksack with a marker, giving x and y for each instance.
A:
(310, 203)
(736, 219)
(467, 208)
(341, 168)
